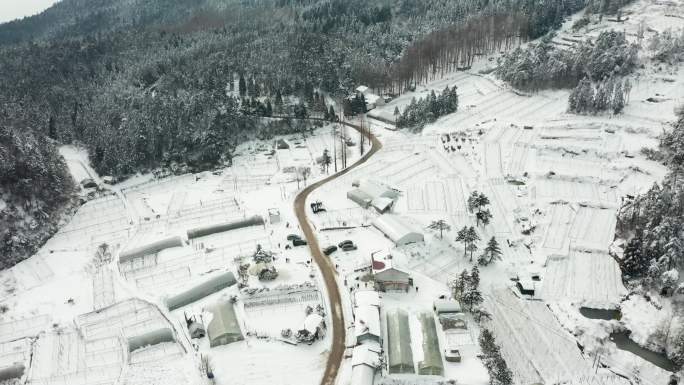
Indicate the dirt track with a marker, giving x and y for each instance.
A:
(326, 267)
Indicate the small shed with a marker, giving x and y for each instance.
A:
(397, 229)
(223, 328)
(274, 216)
(526, 286)
(400, 356)
(281, 144)
(367, 324)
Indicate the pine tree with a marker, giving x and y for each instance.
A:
(490, 253)
(242, 86)
(471, 237)
(331, 114)
(602, 98)
(618, 103)
(440, 225)
(483, 216)
(634, 262)
(462, 236)
(460, 285)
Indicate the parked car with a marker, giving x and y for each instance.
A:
(292, 237)
(298, 242)
(330, 249)
(452, 355)
(349, 247)
(345, 242)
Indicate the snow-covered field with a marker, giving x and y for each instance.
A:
(554, 181)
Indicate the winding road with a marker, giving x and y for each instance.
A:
(326, 267)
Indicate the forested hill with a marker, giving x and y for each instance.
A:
(143, 82)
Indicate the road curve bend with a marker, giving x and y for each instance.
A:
(324, 264)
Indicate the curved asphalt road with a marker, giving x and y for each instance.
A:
(326, 267)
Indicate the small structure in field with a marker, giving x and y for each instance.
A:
(223, 328)
(526, 286)
(274, 216)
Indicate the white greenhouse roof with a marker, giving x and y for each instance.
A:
(366, 298)
(396, 229)
(367, 321)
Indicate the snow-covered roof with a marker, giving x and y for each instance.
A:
(377, 189)
(371, 98)
(312, 322)
(397, 229)
(368, 353)
(447, 306)
(361, 89)
(382, 204)
(362, 375)
(367, 321)
(366, 298)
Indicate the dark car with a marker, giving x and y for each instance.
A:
(292, 237)
(349, 247)
(330, 249)
(345, 242)
(298, 242)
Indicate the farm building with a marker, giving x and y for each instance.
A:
(359, 197)
(376, 189)
(365, 361)
(150, 248)
(526, 286)
(400, 357)
(227, 226)
(382, 204)
(223, 328)
(397, 230)
(389, 278)
(432, 357)
(372, 100)
(367, 324)
(447, 306)
(200, 291)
